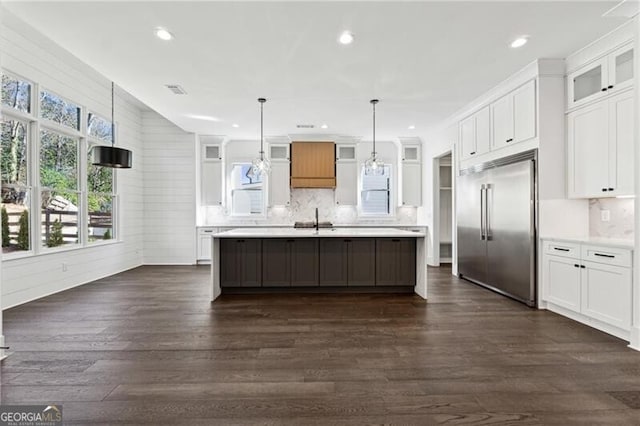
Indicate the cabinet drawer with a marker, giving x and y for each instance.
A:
(563, 249)
(607, 255)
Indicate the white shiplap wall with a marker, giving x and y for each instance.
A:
(33, 56)
(169, 192)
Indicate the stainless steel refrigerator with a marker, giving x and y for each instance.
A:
(496, 215)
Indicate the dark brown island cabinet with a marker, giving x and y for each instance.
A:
(317, 262)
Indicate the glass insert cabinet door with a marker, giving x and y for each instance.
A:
(587, 82)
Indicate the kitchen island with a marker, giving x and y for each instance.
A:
(332, 259)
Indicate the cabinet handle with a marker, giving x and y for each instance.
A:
(472, 153)
(395, 240)
(611, 189)
(347, 241)
(583, 267)
(291, 241)
(509, 140)
(604, 89)
(604, 189)
(240, 241)
(208, 232)
(576, 265)
(560, 249)
(609, 87)
(610, 256)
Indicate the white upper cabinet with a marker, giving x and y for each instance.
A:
(601, 77)
(514, 116)
(411, 175)
(475, 134)
(601, 147)
(279, 176)
(211, 175)
(346, 193)
(502, 122)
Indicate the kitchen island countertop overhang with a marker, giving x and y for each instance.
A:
(290, 234)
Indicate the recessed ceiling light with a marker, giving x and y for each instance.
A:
(163, 34)
(324, 126)
(346, 37)
(411, 127)
(519, 42)
(235, 126)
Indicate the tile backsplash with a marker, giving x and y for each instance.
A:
(302, 208)
(621, 223)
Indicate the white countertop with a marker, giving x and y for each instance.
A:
(312, 233)
(598, 241)
(355, 225)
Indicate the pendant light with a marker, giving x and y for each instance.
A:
(110, 156)
(261, 165)
(373, 166)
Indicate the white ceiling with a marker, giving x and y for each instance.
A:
(424, 60)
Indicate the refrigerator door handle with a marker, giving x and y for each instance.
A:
(487, 219)
(482, 206)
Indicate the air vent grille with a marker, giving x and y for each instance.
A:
(305, 126)
(176, 89)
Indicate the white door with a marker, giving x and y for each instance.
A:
(204, 244)
(346, 183)
(588, 151)
(468, 138)
(211, 183)
(562, 279)
(524, 112)
(411, 188)
(279, 188)
(606, 294)
(483, 130)
(502, 121)
(621, 146)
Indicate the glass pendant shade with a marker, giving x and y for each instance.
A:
(261, 165)
(373, 166)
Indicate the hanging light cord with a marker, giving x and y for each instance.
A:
(113, 123)
(374, 102)
(262, 101)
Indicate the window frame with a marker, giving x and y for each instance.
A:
(265, 195)
(392, 195)
(35, 124)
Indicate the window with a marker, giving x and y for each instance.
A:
(99, 128)
(375, 197)
(100, 201)
(16, 193)
(247, 195)
(16, 93)
(58, 110)
(60, 198)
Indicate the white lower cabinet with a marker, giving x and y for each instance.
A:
(204, 244)
(591, 284)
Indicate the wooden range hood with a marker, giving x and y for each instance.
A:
(313, 165)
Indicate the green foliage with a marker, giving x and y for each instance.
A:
(55, 237)
(107, 235)
(5, 228)
(23, 231)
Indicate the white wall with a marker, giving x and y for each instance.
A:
(169, 192)
(31, 55)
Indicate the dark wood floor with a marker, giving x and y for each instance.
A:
(146, 346)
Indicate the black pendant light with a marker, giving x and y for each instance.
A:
(110, 156)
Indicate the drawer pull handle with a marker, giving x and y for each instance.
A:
(576, 265)
(610, 256)
(395, 240)
(583, 267)
(561, 249)
(207, 232)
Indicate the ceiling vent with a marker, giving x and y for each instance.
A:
(176, 89)
(305, 126)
